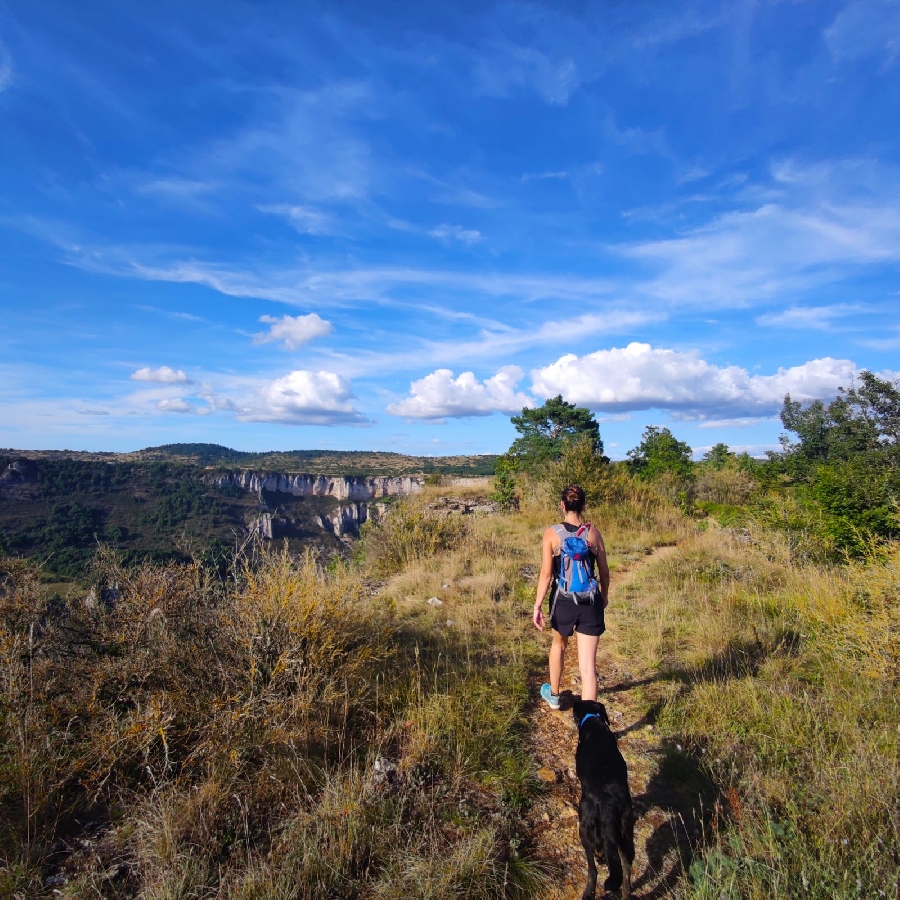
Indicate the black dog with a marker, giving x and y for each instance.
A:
(605, 815)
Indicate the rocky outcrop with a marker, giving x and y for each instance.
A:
(348, 519)
(262, 526)
(341, 487)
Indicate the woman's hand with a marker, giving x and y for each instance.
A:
(538, 617)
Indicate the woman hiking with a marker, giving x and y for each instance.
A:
(569, 553)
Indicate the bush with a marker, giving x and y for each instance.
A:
(409, 533)
(727, 485)
(602, 482)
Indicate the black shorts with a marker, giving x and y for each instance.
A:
(585, 618)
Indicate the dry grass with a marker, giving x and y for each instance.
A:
(781, 680)
(208, 739)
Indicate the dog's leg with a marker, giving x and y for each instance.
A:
(587, 830)
(611, 845)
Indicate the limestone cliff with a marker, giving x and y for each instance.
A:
(342, 487)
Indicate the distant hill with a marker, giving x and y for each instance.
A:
(327, 462)
(162, 503)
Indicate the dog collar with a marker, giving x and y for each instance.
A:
(589, 716)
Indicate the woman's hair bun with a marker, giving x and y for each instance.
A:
(573, 498)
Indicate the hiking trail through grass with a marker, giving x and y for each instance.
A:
(667, 826)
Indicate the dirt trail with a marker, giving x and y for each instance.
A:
(661, 836)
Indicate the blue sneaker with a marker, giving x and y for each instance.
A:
(548, 695)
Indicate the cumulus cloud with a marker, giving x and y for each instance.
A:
(440, 395)
(292, 331)
(304, 398)
(642, 377)
(162, 375)
(175, 405)
(457, 233)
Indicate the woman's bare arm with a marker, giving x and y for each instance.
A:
(544, 578)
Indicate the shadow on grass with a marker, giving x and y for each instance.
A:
(740, 659)
(683, 791)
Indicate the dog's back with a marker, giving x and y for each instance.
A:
(605, 814)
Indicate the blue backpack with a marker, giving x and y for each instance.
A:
(576, 581)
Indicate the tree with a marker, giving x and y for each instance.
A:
(845, 463)
(505, 483)
(660, 453)
(545, 431)
(859, 421)
(718, 456)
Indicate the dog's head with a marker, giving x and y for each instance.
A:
(583, 708)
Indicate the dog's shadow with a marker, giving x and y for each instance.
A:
(686, 794)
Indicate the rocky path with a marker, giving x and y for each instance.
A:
(664, 833)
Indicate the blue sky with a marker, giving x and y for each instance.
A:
(389, 225)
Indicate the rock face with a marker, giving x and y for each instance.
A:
(348, 519)
(262, 526)
(341, 487)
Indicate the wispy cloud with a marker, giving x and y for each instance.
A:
(6, 68)
(456, 233)
(866, 28)
(306, 219)
(508, 67)
(817, 232)
(819, 318)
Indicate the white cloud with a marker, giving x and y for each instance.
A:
(175, 405)
(306, 219)
(811, 226)
(162, 375)
(819, 318)
(440, 395)
(641, 377)
(292, 331)
(457, 233)
(304, 398)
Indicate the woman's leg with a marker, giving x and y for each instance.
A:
(557, 654)
(587, 663)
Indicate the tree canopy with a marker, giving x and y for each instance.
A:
(718, 456)
(846, 461)
(545, 431)
(658, 453)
